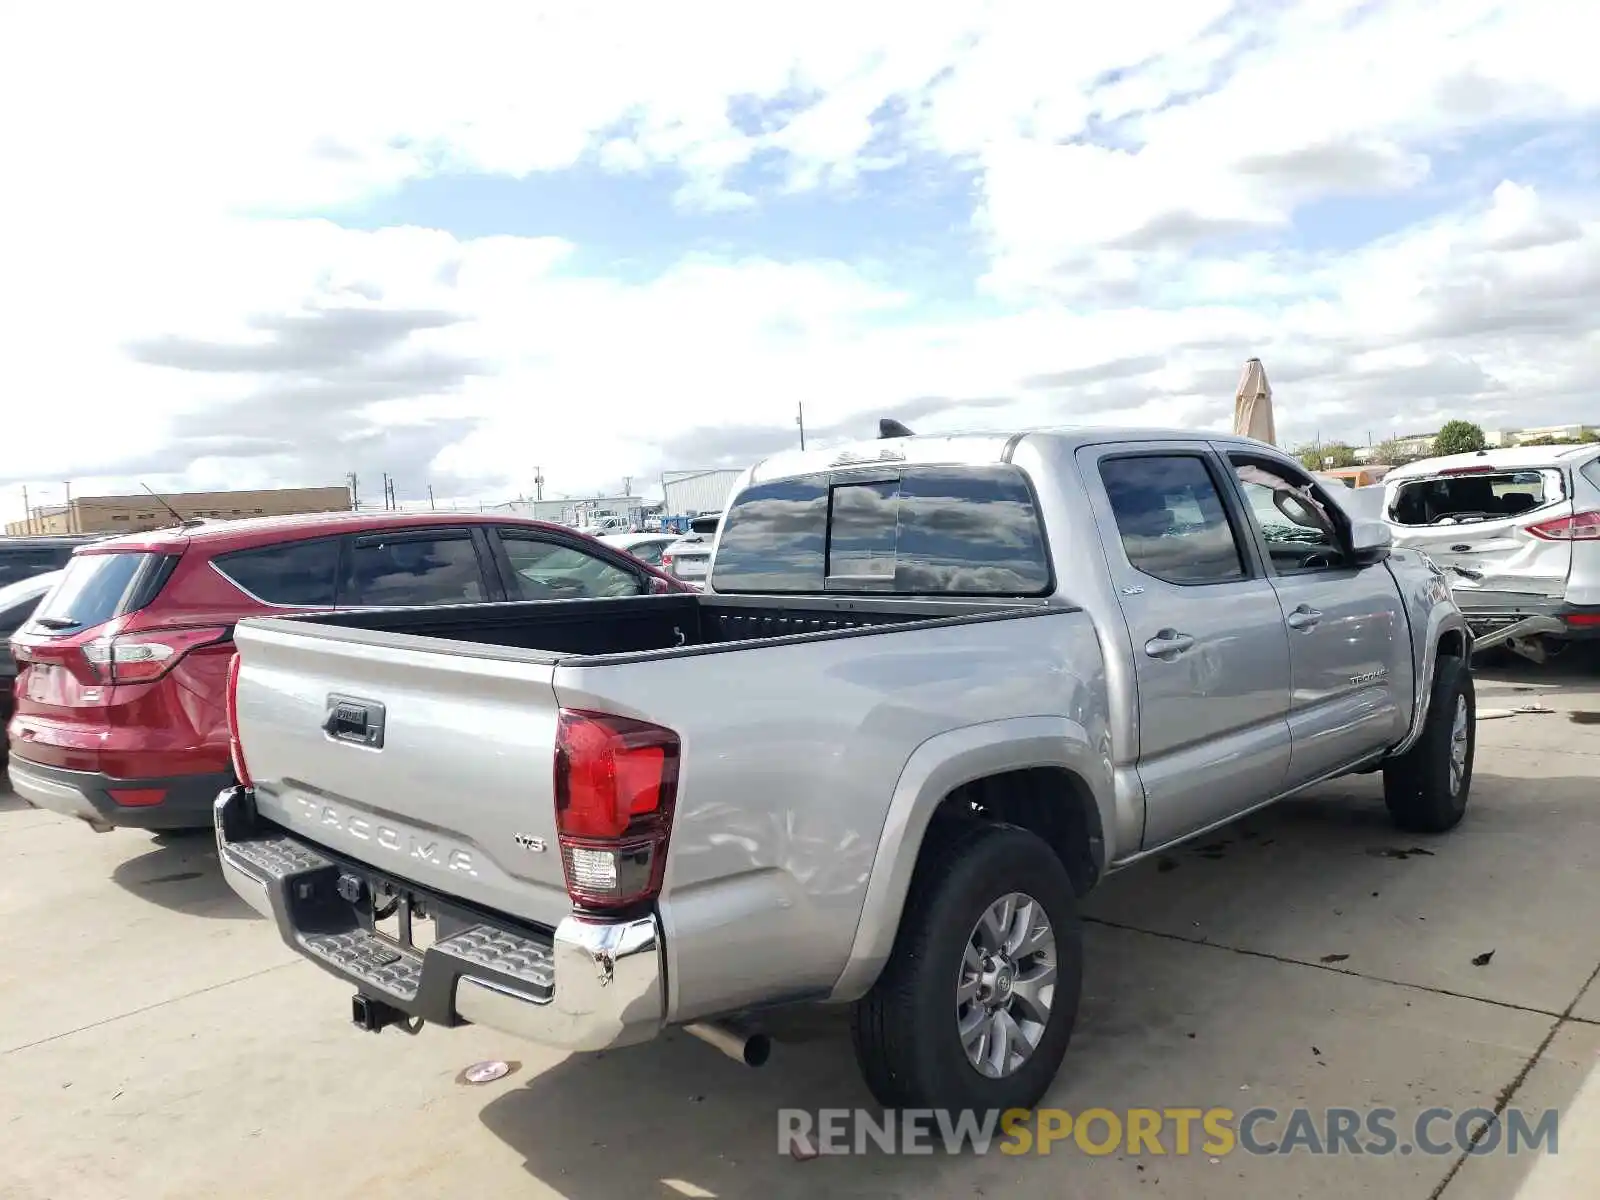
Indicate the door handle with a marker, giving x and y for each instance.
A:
(1168, 644)
(1304, 618)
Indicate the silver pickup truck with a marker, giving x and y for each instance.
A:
(936, 690)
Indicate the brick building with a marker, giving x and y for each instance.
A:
(130, 514)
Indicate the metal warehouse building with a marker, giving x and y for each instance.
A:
(684, 493)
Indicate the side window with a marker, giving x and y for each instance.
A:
(1171, 519)
(295, 574)
(1300, 533)
(773, 539)
(405, 568)
(546, 570)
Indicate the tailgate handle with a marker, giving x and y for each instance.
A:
(353, 720)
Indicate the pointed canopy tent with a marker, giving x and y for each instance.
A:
(1252, 405)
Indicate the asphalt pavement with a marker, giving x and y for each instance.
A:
(157, 1040)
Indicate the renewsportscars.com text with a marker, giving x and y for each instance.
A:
(1215, 1132)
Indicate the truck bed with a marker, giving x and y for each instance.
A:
(643, 626)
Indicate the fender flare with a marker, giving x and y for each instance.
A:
(935, 769)
(1443, 618)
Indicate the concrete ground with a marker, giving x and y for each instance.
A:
(157, 1040)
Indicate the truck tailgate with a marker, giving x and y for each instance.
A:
(423, 758)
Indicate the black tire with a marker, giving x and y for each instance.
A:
(1421, 788)
(905, 1030)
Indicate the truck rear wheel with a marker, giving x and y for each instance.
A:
(976, 1005)
(1426, 789)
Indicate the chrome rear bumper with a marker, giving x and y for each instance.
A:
(586, 985)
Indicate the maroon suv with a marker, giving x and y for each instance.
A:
(122, 670)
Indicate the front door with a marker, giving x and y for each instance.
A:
(1210, 651)
(1349, 641)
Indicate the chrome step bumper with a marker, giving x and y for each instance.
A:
(586, 985)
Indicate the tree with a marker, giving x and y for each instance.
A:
(1394, 453)
(1458, 437)
(1326, 456)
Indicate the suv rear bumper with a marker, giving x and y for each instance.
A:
(184, 800)
(587, 985)
(1491, 611)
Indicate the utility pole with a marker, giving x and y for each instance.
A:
(385, 490)
(354, 481)
(627, 486)
(800, 420)
(27, 512)
(430, 497)
(538, 483)
(72, 524)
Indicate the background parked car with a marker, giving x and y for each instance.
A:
(17, 603)
(689, 557)
(24, 557)
(646, 547)
(122, 668)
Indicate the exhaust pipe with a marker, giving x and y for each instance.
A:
(752, 1049)
(1527, 627)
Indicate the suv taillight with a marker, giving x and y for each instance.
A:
(616, 781)
(143, 657)
(235, 747)
(1579, 527)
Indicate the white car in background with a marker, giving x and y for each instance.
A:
(1517, 531)
(689, 557)
(646, 547)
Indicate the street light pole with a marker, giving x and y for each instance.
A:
(800, 420)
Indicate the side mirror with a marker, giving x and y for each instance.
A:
(1370, 541)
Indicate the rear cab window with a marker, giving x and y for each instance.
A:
(97, 588)
(1475, 495)
(919, 531)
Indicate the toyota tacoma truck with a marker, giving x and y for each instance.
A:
(936, 689)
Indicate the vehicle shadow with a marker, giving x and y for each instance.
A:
(180, 872)
(1313, 903)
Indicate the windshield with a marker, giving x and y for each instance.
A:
(1480, 496)
(93, 589)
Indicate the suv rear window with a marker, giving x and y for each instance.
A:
(97, 587)
(294, 574)
(951, 531)
(1478, 496)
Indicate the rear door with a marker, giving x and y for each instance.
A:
(1211, 653)
(1482, 525)
(1349, 641)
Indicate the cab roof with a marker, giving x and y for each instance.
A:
(978, 447)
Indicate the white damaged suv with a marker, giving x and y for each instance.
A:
(1518, 533)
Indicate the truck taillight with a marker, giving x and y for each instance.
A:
(144, 657)
(235, 747)
(1579, 527)
(616, 782)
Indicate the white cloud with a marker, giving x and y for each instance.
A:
(167, 153)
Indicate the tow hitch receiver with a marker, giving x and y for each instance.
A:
(374, 1016)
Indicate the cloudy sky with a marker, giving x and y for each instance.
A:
(245, 245)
